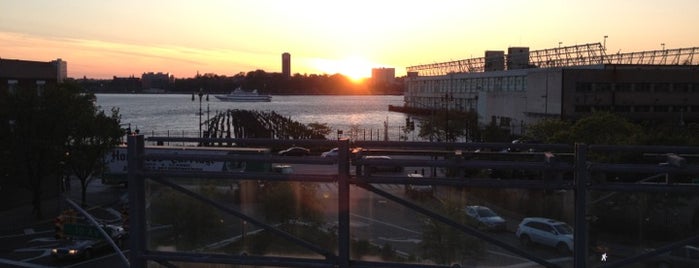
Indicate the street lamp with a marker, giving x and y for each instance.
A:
(663, 45)
(200, 94)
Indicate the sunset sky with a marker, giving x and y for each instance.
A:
(101, 39)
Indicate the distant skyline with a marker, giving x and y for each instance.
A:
(102, 39)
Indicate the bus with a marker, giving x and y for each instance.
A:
(116, 162)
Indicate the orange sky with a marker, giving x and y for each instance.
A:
(101, 39)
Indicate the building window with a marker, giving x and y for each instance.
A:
(12, 87)
(642, 87)
(662, 87)
(603, 87)
(694, 108)
(583, 87)
(582, 108)
(681, 87)
(622, 87)
(661, 108)
(641, 108)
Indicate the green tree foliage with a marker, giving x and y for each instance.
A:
(449, 125)
(92, 136)
(549, 131)
(193, 222)
(38, 128)
(285, 201)
(605, 128)
(444, 244)
(596, 128)
(320, 130)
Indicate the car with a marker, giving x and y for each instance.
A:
(377, 168)
(332, 153)
(84, 247)
(412, 190)
(547, 232)
(485, 218)
(295, 151)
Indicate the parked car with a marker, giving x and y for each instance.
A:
(295, 151)
(332, 153)
(412, 190)
(546, 232)
(486, 219)
(377, 168)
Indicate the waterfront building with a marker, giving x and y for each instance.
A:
(156, 82)
(22, 74)
(286, 64)
(383, 76)
(522, 87)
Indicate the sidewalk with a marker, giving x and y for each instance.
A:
(20, 218)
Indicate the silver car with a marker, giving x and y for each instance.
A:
(546, 232)
(486, 219)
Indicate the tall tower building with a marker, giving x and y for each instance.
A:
(286, 64)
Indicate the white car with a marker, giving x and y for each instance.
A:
(546, 232)
(412, 190)
(486, 218)
(332, 153)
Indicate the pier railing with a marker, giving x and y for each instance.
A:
(578, 169)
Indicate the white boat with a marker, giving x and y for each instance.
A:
(241, 95)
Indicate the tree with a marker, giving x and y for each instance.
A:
(320, 130)
(549, 131)
(449, 125)
(40, 124)
(95, 135)
(605, 128)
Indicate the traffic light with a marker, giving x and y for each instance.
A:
(58, 227)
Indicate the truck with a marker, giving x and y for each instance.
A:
(116, 161)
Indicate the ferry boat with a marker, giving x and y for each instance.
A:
(241, 95)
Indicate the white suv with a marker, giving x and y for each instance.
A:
(546, 232)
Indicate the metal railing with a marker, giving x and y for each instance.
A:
(553, 160)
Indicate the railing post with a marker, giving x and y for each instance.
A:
(580, 241)
(343, 203)
(136, 185)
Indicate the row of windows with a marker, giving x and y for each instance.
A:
(464, 85)
(637, 108)
(637, 87)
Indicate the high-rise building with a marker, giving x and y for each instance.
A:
(286, 64)
(383, 76)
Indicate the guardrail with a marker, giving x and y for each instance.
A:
(562, 167)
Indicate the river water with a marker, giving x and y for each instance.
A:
(178, 115)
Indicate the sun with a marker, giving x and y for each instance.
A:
(355, 68)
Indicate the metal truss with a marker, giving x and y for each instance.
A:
(577, 55)
(456, 156)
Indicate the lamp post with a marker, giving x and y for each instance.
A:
(201, 95)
